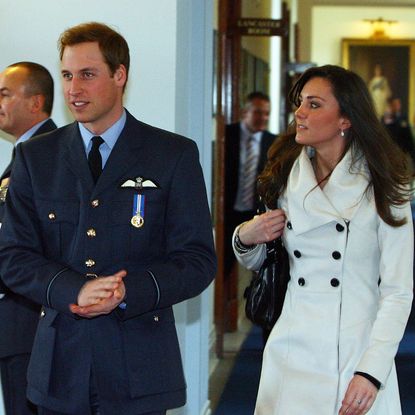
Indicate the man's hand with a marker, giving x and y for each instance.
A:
(359, 397)
(100, 295)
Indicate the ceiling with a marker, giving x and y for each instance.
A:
(365, 3)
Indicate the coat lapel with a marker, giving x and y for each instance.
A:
(122, 156)
(309, 206)
(75, 158)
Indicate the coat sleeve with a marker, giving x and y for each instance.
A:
(252, 259)
(396, 246)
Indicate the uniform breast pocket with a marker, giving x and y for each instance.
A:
(59, 220)
(138, 237)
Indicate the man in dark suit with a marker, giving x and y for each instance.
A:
(399, 128)
(108, 234)
(246, 146)
(26, 99)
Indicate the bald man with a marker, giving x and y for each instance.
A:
(26, 99)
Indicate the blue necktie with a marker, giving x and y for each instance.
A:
(95, 159)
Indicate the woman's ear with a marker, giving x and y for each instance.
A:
(345, 123)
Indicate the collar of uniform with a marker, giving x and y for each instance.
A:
(30, 132)
(110, 136)
(309, 206)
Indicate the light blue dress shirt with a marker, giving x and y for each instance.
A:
(109, 136)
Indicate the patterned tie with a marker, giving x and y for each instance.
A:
(250, 174)
(95, 159)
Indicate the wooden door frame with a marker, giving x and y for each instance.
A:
(227, 111)
(228, 58)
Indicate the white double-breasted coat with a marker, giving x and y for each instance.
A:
(348, 299)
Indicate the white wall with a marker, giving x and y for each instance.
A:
(33, 28)
(332, 23)
(258, 46)
(169, 86)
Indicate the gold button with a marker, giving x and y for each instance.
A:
(156, 318)
(89, 263)
(91, 233)
(52, 216)
(95, 203)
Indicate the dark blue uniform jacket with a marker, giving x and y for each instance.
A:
(59, 227)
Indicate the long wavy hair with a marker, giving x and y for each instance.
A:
(390, 169)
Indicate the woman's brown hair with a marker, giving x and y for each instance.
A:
(390, 168)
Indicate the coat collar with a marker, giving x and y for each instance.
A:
(309, 206)
(121, 158)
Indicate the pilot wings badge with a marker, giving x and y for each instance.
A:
(139, 183)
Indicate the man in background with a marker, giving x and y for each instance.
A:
(246, 146)
(26, 99)
(396, 122)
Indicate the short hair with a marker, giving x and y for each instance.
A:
(256, 95)
(112, 45)
(38, 81)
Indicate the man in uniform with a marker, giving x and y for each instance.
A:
(26, 99)
(109, 234)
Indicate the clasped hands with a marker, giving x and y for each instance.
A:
(100, 295)
(263, 228)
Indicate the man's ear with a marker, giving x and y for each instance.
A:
(120, 75)
(36, 103)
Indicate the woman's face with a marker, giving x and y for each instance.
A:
(318, 119)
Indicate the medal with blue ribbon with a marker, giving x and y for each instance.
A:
(138, 211)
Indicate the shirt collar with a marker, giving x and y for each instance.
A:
(29, 133)
(110, 136)
(246, 133)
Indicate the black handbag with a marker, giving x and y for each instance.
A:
(266, 292)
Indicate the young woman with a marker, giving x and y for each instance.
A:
(338, 192)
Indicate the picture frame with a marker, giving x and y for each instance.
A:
(395, 58)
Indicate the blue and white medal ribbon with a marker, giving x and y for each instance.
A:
(138, 211)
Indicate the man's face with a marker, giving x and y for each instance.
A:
(15, 105)
(396, 105)
(256, 115)
(92, 93)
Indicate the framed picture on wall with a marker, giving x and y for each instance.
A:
(387, 66)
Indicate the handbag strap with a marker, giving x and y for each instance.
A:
(273, 247)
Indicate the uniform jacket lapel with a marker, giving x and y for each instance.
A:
(75, 158)
(309, 206)
(123, 155)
